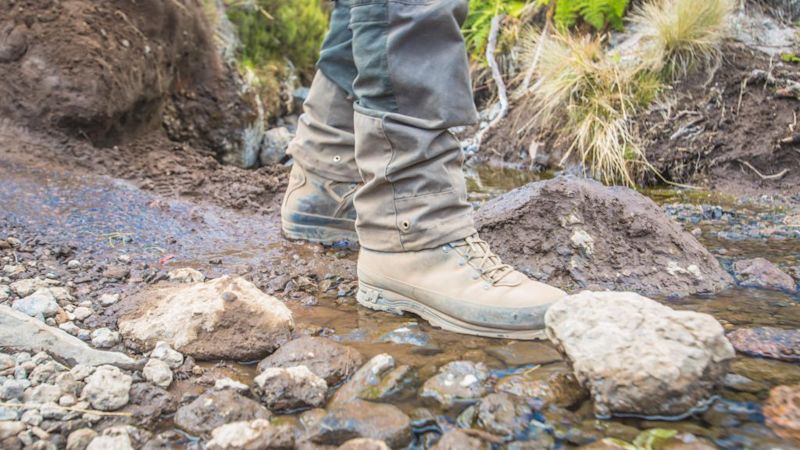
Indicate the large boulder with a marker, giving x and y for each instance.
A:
(578, 234)
(637, 356)
(226, 318)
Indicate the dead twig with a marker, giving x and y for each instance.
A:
(776, 176)
(491, 47)
(65, 408)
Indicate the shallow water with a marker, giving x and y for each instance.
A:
(104, 217)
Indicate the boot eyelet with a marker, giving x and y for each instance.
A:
(445, 248)
(486, 286)
(476, 275)
(405, 225)
(337, 158)
(462, 262)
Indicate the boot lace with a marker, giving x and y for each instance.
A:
(478, 255)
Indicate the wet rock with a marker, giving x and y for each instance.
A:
(782, 411)
(20, 332)
(503, 414)
(520, 353)
(576, 233)
(148, 403)
(227, 383)
(395, 385)
(273, 148)
(760, 273)
(40, 304)
(157, 372)
(362, 419)
(459, 440)
(767, 371)
(80, 439)
(254, 435)
(289, 389)
(209, 327)
(216, 408)
(364, 444)
(408, 334)
(107, 389)
(104, 338)
(325, 358)
(164, 352)
(556, 388)
(186, 275)
(767, 342)
(369, 375)
(637, 356)
(456, 382)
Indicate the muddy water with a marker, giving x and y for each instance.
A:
(105, 218)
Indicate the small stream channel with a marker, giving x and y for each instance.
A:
(105, 217)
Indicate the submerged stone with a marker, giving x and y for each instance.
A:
(782, 412)
(363, 419)
(761, 273)
(638, 357)
(456, 382)
(767, 342)
(558, 388)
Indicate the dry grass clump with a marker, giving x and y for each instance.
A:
(590, 97)
(681, 35)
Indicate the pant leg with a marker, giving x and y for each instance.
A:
(325, 141)
(412, 85)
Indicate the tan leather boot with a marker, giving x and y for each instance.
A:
(461, 287)
(317, 209)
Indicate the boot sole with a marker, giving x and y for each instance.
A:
(392, 302)
(318, 234)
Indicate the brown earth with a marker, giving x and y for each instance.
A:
(109, 72)
(578, 234)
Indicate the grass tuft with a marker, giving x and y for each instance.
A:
(591, 97)
(682, 35)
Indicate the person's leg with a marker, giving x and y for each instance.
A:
(318, 205)
(420, 252)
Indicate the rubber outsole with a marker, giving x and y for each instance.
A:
(387, 301)
(318, 234)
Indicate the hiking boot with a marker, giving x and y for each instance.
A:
(461, 287)
(316, 209)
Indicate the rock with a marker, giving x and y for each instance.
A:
(6, 361)
(503, 415)
(576, 233)
(118, 273)
(148, 403)
(394, 385)
(116, 442)
(157, 372)
(10, 428)
(164, 352)
(273, 148)
(41, 303)
(767, 371)
(28, 286)
(43, 393)
(107, 389)
(782, 411)
(186, 275)
(456, 382)
(216, 408)
(5, 292)
(108, 299)
(637, 356)
(12, 389)
(19, 332)
(760, 273)
(288, 389)
(558, 388)
(254, 435)
(459, 440)
(104, 338)
(767, 342)
(227, 383)
(8, 414)
(362, 419)
(82, 313)
(80, 439)
(196, 320)
(520, 353)
(369, 375)
(327, 359)
(364, 444)
(408, 334)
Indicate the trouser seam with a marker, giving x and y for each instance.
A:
(386, 177)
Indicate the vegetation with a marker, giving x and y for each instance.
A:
(478, 25)
(600, 14)
(279, 32)
(681, 35)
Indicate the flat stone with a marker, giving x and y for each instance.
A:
(761, 273)
(254, 435)
(294, 388)
(197, 320)
(19, 332)
(521, 353)
(767, 342)
(107, 389)
(782, 411)
(330, 360)
(39, 304)
(637, 356)
(456, 382)
(362, 419)
(216, 408)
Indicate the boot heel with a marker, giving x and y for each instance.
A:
(374, 298)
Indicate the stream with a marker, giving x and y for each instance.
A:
(104, 218)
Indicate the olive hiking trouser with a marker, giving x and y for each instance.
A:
(393, 78)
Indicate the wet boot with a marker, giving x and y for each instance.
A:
(461, 286)
(318, 204)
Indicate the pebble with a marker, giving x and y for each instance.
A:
(10, 428)
(158, 372)
(109, 299)
(12, 389)
(80, 438)
(227, 383)
(104, 338)
(73, 264)
(107, 389)
(82, 313)
(186, 275)
(289, 389)
(164, 352)
(456, 382)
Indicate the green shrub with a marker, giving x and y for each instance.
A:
(273, 31)
(600, 14)
(478, 25)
